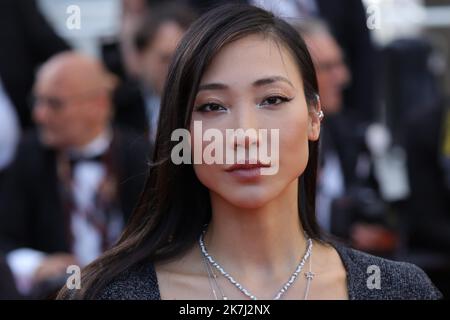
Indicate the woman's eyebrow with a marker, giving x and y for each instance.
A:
(257, 83)
(212, 86)
(270, 80)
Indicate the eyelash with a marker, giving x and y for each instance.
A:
(202, 108)
(282, 99)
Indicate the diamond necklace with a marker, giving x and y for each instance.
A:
(212, 277)
(279, 294)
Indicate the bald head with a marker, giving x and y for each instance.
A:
(73, 103)
(77, 71)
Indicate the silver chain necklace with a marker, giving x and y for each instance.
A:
(309, 277)
(212, 278)
(279, 294)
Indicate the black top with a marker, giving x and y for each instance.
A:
(399, 280)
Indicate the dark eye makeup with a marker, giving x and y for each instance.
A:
(273, 100)
(210, 107)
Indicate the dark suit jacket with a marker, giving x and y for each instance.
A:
(31, 213)
(429, 204)
(7, 286)
(130, 110)
(26, 40)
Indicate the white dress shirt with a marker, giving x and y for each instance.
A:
(153, 106)
(331, 186)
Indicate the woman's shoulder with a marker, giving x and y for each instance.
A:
(372, 277)
(136, 283)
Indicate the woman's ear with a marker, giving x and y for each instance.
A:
(315, 118)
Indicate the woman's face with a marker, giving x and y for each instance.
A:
(253, 83)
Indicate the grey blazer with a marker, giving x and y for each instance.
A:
(398, 280)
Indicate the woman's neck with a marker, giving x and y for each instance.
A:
(265, 242)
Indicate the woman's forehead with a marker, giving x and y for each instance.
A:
(251, 58)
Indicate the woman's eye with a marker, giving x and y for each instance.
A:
(211, 107)
(274, 100)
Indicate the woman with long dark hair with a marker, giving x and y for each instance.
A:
(227, 230)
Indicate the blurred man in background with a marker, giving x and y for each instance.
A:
(74, 183)
(346, 194)
(154, 43)
(332, 76)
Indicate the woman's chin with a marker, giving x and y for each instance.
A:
(248, 199)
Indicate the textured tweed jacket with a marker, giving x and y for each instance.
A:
(398, 280)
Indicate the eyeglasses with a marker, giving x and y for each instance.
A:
(53, 103)
(57, 103)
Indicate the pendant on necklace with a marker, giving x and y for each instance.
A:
(309, 275)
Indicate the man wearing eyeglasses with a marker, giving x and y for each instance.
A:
(74, 181)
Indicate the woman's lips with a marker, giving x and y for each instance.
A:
(246, 171)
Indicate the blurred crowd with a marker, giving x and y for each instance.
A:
(77, 134)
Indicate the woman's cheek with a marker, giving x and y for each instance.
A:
(294, 150)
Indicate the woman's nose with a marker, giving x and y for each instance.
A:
(246, 126)
(246, 117)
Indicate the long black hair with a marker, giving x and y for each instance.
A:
(174, 205)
